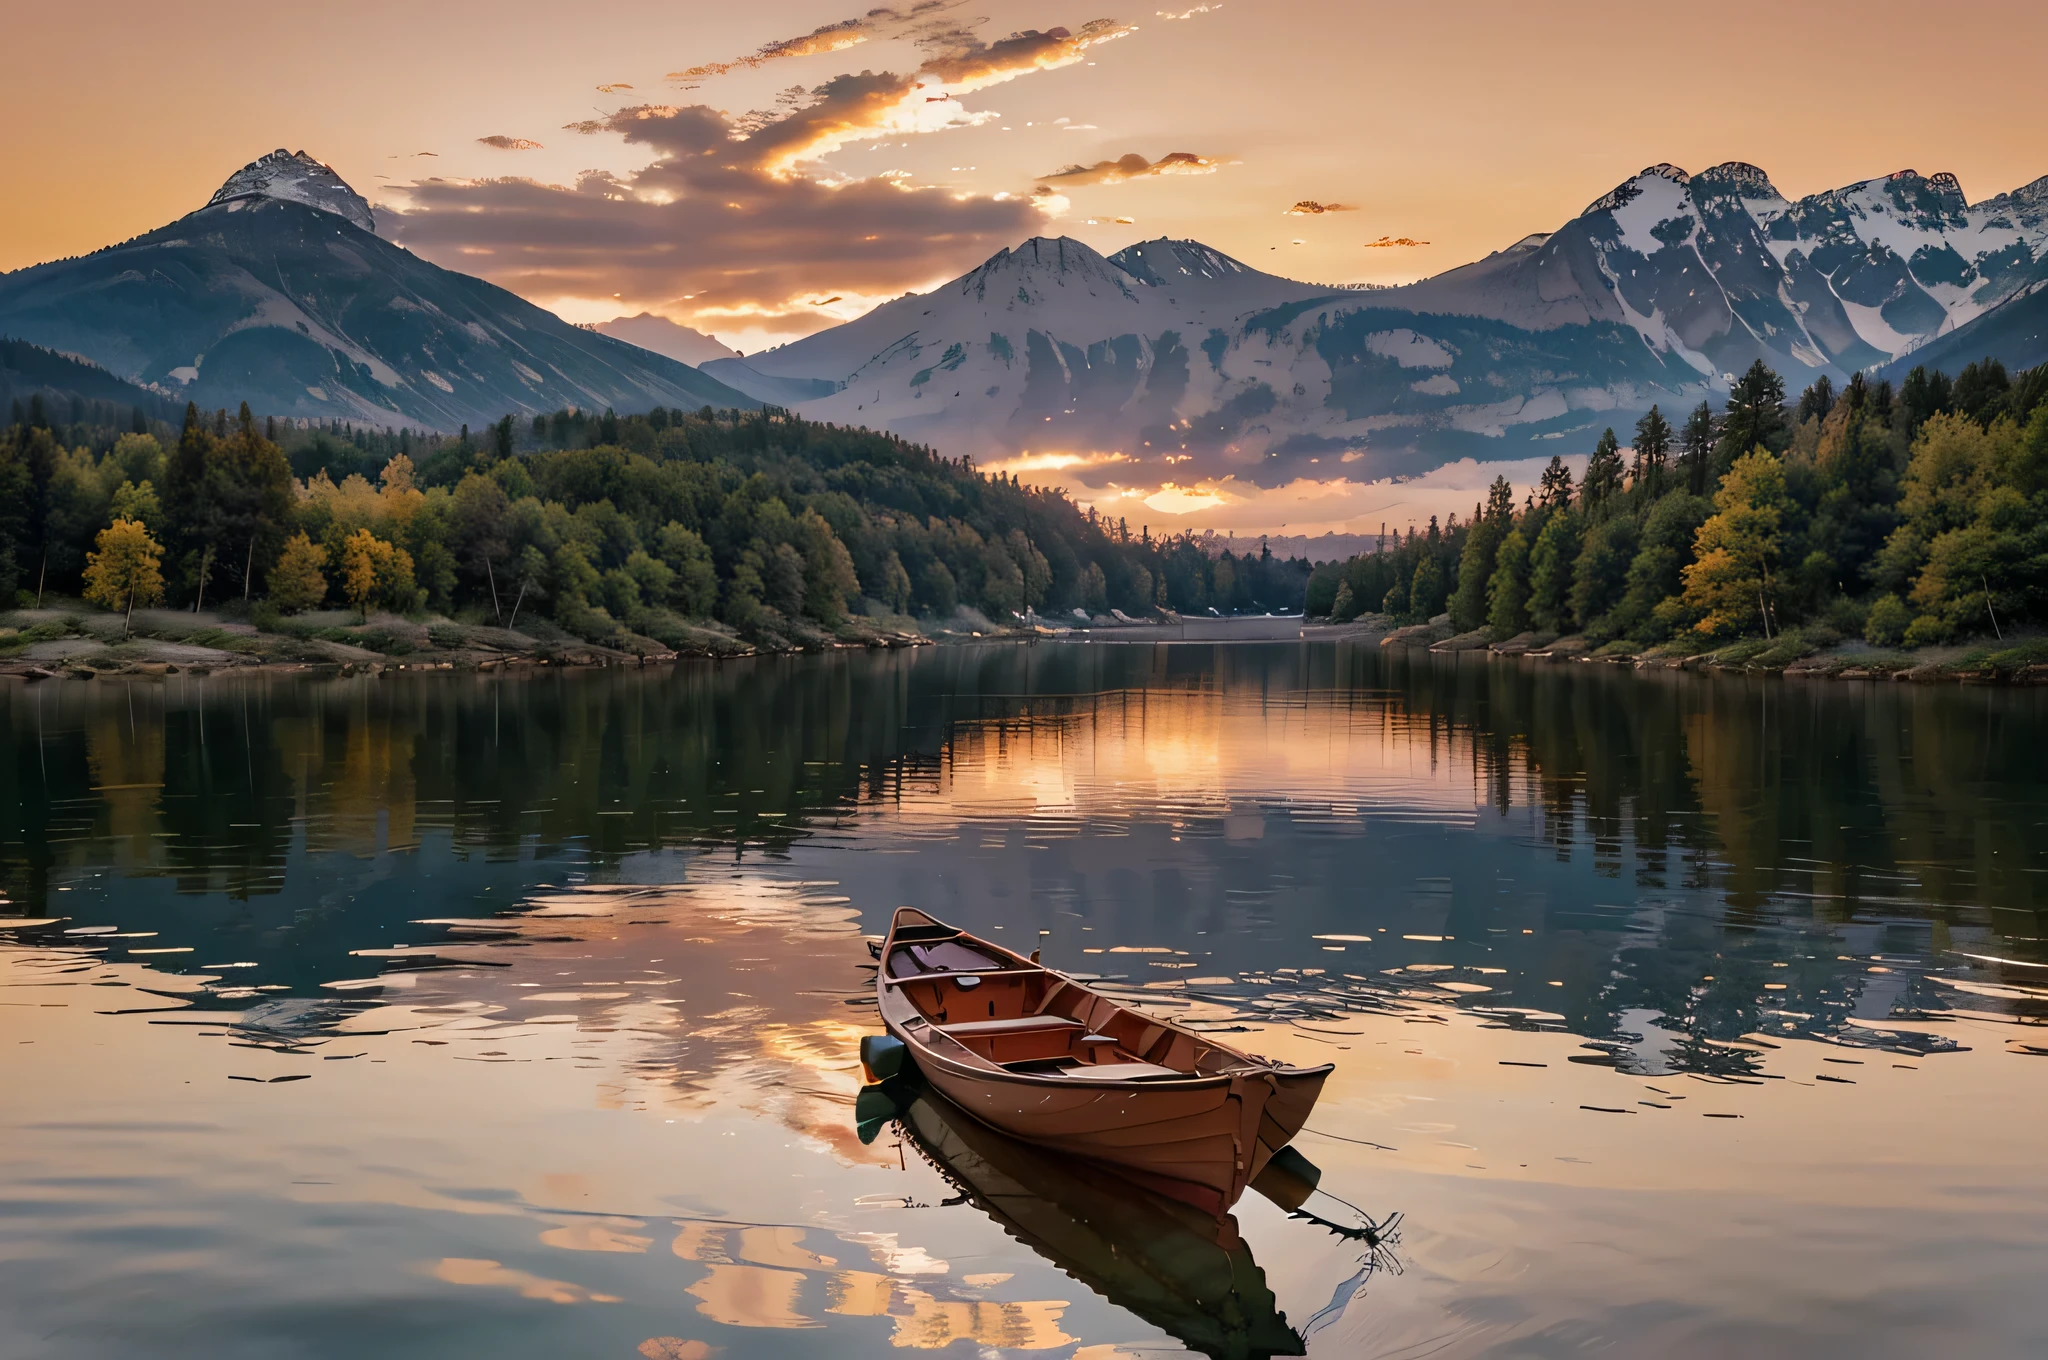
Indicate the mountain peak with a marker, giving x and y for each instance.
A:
(2026, 205)
(1027, 269)
(1626, 192)
(1740, 178)
(296, 177)
(1165, 260)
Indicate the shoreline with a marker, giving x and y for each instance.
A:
(2019, 660)
(64, 642)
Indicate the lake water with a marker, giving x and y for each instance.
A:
(447, 1015)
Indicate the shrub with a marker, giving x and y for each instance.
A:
(1926, 631)
(1886, 623)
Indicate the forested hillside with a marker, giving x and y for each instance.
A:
(1914, 516)
(615, 527)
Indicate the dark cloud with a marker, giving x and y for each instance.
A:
(1132, 166)
(1308, 207)
(504, 143)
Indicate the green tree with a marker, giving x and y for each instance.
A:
(1755, 418)
(125, 569)
(1426, 589)
(694, 590)
(1650, 609)
(137, 503)
(1600, 575)
(1602, 482)
(1551, 563)
(1476, 560)
(1696, 448)
(1507, 591)
(1554, 491)
(830, 583)
(1652, 453)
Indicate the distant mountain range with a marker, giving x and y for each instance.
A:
(1167, 353)
(278, 293)
(1660, 291)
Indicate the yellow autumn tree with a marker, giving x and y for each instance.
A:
(127, 568)
(373, 570)
(1728, 583)
(297, 582)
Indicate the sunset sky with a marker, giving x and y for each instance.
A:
(564, 154)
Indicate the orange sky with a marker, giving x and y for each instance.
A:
(1465, 126)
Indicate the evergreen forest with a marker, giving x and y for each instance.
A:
(617, 528)
(1911, 516)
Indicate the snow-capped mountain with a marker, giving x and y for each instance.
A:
(278, 293)
(1720, 268)
(1172, 353)
(295, 177)
(1660, 291)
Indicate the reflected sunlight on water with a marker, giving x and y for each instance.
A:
(1679, 1016)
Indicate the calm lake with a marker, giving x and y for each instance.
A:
(1675, 1015)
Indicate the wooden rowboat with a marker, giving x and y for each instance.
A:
(1043, 1058)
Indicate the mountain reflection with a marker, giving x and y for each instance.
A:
(1713, 857)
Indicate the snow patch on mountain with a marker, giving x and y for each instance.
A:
(296, 177)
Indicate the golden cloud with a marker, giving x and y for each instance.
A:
(504, 143)
(765, 231)
(1132, 166)
(614, 87)
(1308, 207)
(920, 22)
(1387, 242)
(826, 38)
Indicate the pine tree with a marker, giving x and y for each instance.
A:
(1554, 491)
(1696, 448)
(1755, 417)
(1653, 449)
(1469, 607)
(1602, 482)
(1817, 400)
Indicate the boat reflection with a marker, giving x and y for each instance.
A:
(1185, 1271)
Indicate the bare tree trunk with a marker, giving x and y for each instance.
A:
(205, 561)
(515, 605)
(42, 572)
(128, 624)
(248, 565)
(496, 608)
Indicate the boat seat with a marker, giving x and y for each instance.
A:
(1129, 1071)
(1023, 1024)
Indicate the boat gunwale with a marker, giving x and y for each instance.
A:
(985, 1071)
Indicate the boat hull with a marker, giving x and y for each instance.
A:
(1199, 1137)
